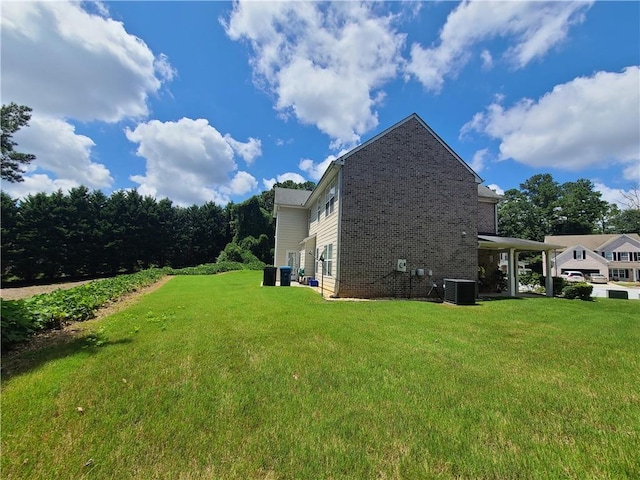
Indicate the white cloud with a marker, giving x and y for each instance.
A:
(248, 151)
(587, 122)
(496, 188)
(316, 170)
(188, 161)
(479, 160)
(59, 150)
(613, 195)
(37, 183)
(242, 183)
(534, 28)
(63, 61)
(67, 61)
(324, 63)
(294, 177)
(487, 59)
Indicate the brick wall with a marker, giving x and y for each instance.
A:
(487, 218)
(406, 197)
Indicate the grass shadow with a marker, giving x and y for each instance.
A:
(64, 344)
(493, 298)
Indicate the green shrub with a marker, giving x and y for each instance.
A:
(52, 310)
(530, 278)
(579, 290)
(236, 253)
(558, 284)
(213, 268)
(16, 322)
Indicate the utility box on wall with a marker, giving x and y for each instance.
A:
(459, 292)
(402, 265)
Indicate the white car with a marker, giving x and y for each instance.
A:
(598, 278)
(573, 276)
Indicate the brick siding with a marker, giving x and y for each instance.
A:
(405, 196)
(487, 218)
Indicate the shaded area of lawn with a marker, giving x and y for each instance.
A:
(216, 377)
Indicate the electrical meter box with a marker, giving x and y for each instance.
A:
(402, 265)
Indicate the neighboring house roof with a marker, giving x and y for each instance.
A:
(591, 242)
(485, 192)
(289, 197)
(490, 242)
(632, 238)
(567, 255)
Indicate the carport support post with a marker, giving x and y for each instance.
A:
(513, 272)
(548, 280)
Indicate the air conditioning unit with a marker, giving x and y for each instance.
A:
(459, 292)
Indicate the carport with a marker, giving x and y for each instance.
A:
(514, 246)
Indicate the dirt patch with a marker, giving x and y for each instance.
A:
(26, 292)
(49, 338)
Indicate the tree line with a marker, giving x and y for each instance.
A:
(544, 207)
(86, 234)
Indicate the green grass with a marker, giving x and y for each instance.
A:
(215, 377)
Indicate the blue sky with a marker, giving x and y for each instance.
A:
(215, 101)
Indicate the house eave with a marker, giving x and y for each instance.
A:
(491, 242)
(328, 175)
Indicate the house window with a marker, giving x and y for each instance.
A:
(607, 255)
(317, 260)
(636, 256)
(624, 256)
(329, 199)
(327, 254)
(618, 273)
(319, 208)
(579, 254)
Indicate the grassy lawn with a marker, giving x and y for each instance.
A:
(215, 377)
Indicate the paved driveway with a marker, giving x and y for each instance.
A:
(601, 291)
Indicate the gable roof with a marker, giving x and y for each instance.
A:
(567, 254)
(426, 127)
(591, 242)
(623, 237)
(486, 193)
(289, 197)
(340, 160)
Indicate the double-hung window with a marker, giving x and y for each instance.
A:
(327, 254)
(329, 199)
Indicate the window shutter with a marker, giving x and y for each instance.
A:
(584, 254)
(574, 255)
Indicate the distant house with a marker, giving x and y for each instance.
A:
(393, 217)
(616, 256)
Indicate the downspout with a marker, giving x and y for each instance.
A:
(336, 292)
(275, 246)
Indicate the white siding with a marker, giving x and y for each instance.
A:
(291, 229)
(326, 231)
(590, 261)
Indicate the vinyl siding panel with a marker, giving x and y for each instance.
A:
(592, 261)
(326, 231)
(291, 229)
